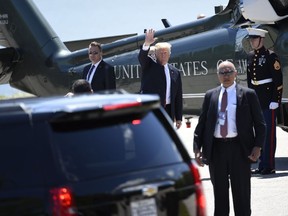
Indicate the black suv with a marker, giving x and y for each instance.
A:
(94, 155)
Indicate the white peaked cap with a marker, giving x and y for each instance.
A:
(256, 32)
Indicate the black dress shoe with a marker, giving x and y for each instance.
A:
(267, 171)
(256, 171)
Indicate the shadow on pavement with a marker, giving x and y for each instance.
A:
(281, 163)
(205, 179)
(281, 168)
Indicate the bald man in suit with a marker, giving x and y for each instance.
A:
(228, 139)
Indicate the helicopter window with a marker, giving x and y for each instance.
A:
(280, 6)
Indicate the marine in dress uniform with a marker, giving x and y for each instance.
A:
(264, 75)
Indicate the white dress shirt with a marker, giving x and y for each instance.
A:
(93, 72)
(168, 84)
(231, 112)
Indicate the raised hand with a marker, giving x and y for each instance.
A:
(149, 37)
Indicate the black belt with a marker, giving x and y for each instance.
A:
(224, 140)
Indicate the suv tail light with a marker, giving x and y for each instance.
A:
(121, 106)
(62, 202)
(200, 198)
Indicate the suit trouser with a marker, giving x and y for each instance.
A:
(168, 110)
(227, 163)
(267, 158)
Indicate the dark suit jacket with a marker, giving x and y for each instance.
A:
(104, 77)
(250, 122)
(153, 81)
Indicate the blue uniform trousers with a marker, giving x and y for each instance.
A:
(267, 158)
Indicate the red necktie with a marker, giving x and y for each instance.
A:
(90, 72)
(223, 128)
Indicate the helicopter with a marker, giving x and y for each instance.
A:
(35, 60)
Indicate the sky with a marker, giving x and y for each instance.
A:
(84, 19)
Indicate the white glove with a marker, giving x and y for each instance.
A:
(273, 105)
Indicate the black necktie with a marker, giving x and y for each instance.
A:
(223, 128)
(90, 72)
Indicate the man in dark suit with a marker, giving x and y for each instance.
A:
(159, 77)
(228, 138)
(99, 74)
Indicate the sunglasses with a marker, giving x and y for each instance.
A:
(93, 53)
(226, 72)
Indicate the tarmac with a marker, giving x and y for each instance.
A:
(269, 193)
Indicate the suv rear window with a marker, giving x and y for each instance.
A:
(102, 147)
